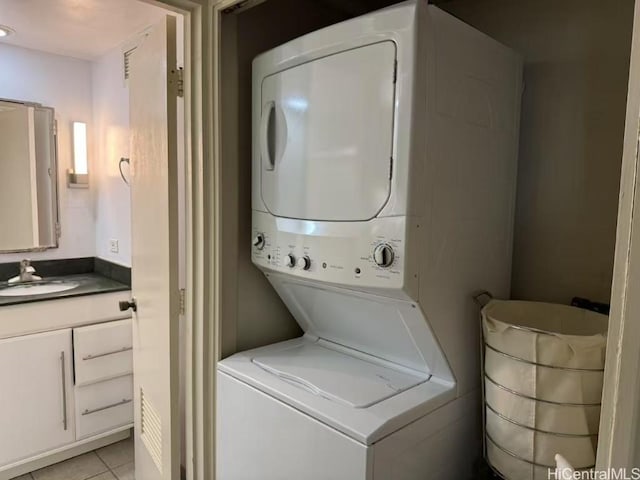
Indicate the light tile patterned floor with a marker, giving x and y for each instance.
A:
(113, 462)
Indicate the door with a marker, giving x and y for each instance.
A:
(153, 88)
(326, 135)
(36, 416)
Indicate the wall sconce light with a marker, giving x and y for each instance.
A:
(78, 176)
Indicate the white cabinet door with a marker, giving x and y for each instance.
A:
(326, 135)
(36, 387)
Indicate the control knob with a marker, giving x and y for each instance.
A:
(258, 241)
(383, 255)
(290, 260)
(304, 262)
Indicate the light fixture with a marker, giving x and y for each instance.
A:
(5, 31)
(78, 176)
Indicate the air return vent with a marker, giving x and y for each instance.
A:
(127, 63)
(151, 427)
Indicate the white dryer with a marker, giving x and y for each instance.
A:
(384, 167)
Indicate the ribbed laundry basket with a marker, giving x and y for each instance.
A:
(543, 368)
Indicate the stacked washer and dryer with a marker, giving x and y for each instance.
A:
(384, 173)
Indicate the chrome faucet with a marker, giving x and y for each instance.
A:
(26, 273)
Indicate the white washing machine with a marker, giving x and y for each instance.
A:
(384, 167)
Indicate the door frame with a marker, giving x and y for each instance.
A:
(620, 415)
(200, 203)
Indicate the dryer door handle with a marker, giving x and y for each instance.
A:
(268, 135)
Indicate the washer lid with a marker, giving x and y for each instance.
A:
(390, 329)
(337, 376)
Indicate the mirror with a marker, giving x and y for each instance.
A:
(28, 177)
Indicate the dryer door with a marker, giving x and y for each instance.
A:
(326, 135)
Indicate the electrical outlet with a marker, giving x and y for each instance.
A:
(113, 245)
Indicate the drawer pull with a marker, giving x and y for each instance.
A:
(113, 352)
(124, 401)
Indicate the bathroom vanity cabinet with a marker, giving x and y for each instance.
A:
(37, 388)
(65, 390)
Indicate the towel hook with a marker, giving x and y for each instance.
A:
(123, 160)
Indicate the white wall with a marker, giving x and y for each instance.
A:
(252, 313)
(111, 133)
(65, 84)
(576, 56)
(93, 92)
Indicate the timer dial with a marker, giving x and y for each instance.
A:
(258, 241)
(290, 260)
(304, 263)
(383, 255)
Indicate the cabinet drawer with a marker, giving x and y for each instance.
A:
(102, 351)
(103, 406)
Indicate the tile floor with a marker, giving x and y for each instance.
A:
(113, 462)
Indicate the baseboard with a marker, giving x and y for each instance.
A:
(63, 453)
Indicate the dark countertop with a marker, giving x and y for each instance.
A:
(90, 284)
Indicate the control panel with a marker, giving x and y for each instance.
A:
(366, 254)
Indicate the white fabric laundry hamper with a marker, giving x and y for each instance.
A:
(543, 367)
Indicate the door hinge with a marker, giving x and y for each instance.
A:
(58, 230)
(395, 71)
(180, 76)
(54, 128)
(182, 294)
(390, 168)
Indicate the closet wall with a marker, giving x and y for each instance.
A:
(576, 56)
(252, 313)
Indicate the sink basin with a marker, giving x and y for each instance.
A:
(40, 288)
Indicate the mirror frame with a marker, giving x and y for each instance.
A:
(55, 184)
